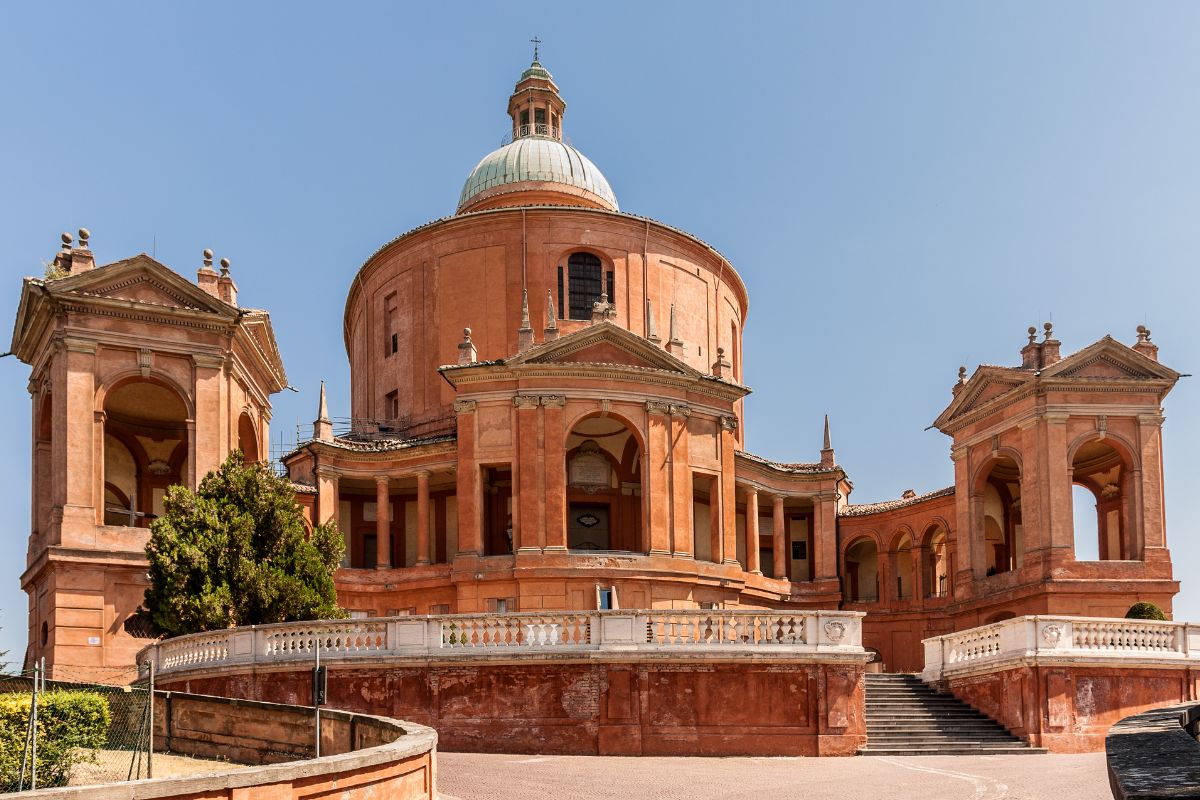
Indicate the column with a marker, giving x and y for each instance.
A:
(682, 528)
(205, 448)
(656, 466)
(327, 505)
(1058, 482)
(383, 517)
(1147, 523)
(728, 486)
(824, 536)
(715, 539)
(779, 534)
(752, 560)
(556, 471)
(423, 540)
(470, 501)
(525, 495)
(74, 438)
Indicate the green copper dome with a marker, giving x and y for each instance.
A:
(539, 159)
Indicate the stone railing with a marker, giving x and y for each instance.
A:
(1047, 638)
(1155, 754)
(466, 635)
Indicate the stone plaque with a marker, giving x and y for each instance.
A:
(590, 469)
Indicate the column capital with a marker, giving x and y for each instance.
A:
(657, 407)
(327, 472)
(1027, 423)
(680, 410)
(423, 473)
(729, 422)
(553, 400)
(464, 406)
(206, 361)
(1151, 420)
(958, 452)
(1056, 417)
(525, 401)
(383, 480)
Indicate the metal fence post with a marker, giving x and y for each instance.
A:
(150, 715)
(33, 729)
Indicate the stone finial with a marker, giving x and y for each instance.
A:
(206, 276)
(525, 332)
(1143, 344)
(77, 259)
(323, 426)
(651, 327)
(1031, 353)
(908, 494)
(827, 455)
(467, 353)
(551, 331)
(226, 288)
(66, 240)
(1051, 347)
(721, 368)
(962, 380)
(674, 343)
(1032, 334)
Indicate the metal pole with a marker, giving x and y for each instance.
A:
(150, 714)
(316, 705)
(43, 674)
(33, 727)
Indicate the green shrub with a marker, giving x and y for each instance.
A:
(71, 726)
(1144, 610)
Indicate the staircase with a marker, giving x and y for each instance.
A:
(906, 717)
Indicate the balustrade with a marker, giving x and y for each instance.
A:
(467, 635)
(1074, 638)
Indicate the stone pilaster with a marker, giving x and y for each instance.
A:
(383, 516)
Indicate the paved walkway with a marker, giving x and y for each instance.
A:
(470, 776)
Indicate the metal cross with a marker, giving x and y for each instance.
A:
(536, 41)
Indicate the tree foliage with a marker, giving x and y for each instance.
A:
(1145, 610)
(235, 552)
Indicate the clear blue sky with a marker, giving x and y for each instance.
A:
(905, 187)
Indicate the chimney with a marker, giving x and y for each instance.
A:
(1143, 345)
(1051, 348)
(466, 349)
(322, 426)
(226, 289)
(206, 276)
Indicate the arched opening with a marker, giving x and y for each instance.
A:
(1099, 503)
(145, 451)
(1001, 523)
(604, 486)
(862, 572)
(902, 558)
(937, 563)
(584, 280)
(247, 438)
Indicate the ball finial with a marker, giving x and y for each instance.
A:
(224, 266)
(1048, 327)
(84, 235)
(962, 374)
(1032, 334)
(66, 240)
(466, 333)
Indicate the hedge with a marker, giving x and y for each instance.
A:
(71, 726)
(1144, 610)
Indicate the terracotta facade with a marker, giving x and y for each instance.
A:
(547, 413)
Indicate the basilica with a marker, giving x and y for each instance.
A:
(547, 413)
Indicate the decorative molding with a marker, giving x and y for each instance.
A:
(1056, 417)
(836, 631)
(1153, 420)
(464, 406)
(553, 400)
(73, 345)
(145, 361)
(729, 423)
(657, 407)
(525, 401)
(680, 410)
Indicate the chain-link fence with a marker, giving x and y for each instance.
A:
(66, 727)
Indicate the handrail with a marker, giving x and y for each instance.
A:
(458, 635)
(1049, 637)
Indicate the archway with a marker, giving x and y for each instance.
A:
(1000, 525)
(247, 438)
(862, 571)
(1100, 507)
(937, 563)
(145, 450)
(604, 486)
(903, 561)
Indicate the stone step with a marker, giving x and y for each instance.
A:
(908, 717)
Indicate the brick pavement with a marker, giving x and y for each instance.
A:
(473, 776)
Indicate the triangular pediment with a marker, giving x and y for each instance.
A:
(141, 280)
(1109, 360)
(986, 385)
(604, 343)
